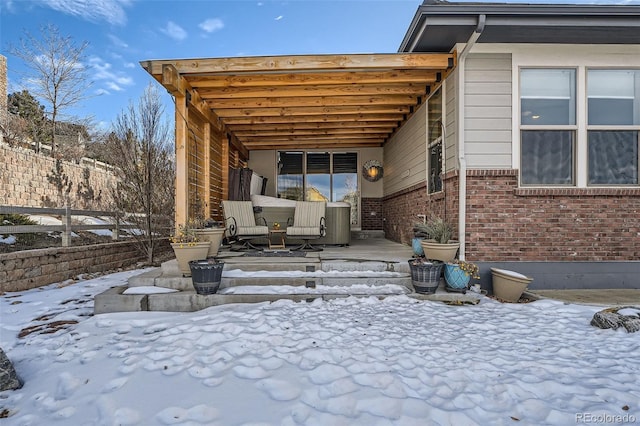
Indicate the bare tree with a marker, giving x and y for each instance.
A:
(57, 75)
(140, 147)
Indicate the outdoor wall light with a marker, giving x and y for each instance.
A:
(372, 170)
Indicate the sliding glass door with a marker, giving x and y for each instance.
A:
(320, 176)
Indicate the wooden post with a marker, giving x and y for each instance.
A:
(182, 161)
(224, 166)
(206, 179)
(115, 233)
(66, 234)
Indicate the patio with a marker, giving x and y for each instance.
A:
(369, 266)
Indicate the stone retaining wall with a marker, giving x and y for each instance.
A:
(24, 182)
(35, 268)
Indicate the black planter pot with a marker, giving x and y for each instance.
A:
(206, 275)
(425, 276)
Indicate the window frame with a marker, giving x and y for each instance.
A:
(439, 140)
(574, 128)
(607, 127)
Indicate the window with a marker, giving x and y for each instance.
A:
(613, 125)
(547, 126)
(290, 175)
(319, 176)
(318, 185)
(434, 120)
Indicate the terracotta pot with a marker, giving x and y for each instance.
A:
(509, 285)
(438, 251)
(186, 252)
(213, 236)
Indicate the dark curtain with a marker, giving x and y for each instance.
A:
(240, 184)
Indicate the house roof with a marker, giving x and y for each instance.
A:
(438, 25)
(305, 101)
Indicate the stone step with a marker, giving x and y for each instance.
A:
(113, 300)
(170, 277)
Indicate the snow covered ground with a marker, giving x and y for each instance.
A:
(343, 362)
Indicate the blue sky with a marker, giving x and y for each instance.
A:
(121, 33)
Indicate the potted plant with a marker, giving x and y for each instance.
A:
(206, 275)
(508, 286)
(187, 247)
(458, 273)
(418, 236)
(210, 231)
(439, 245)
(425, 275)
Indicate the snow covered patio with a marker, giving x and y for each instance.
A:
(367, 267)
(351, 361)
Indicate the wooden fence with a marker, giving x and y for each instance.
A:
(116, 224)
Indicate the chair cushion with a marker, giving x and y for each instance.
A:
(252, 230)
(309, 213)
(299, 231)
(241, 211)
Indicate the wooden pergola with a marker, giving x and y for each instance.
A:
(226, 107)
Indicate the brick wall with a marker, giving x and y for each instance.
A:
(35, 268)
(507, 223)
(23, 181)
(371, 222)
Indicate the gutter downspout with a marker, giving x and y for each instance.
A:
(462, 162)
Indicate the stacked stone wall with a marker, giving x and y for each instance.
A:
(3, 94)
(35, 268)
(24, 181)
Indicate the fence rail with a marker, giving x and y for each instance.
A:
(117, 223)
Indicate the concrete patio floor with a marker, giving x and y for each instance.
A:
(608, 297)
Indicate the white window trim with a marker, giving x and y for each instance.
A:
(581, 128)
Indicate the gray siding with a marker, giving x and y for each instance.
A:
(451, 128)
(405, 154)
(488, 117)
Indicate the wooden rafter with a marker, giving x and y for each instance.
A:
(327, 97)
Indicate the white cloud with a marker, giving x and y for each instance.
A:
(113, 86)
(129, 65)
(117, 41)
(112, 80)
(101, 92)
(211, 25)
(111, 11)
(279, 18)
(174, 31)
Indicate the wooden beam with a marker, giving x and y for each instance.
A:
(321, 118)
(319, 101)
(312, 79)
(179, 87)
(262, 64)
(256, 139)
(322, 110)
(315, 90)
(318, 145)
(293, 126)
(259, 133)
